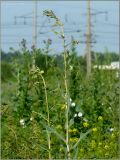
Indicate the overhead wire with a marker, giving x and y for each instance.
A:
(44, 25)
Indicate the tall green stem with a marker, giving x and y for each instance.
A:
(66, 94)
(48, 116)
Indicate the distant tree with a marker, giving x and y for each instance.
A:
(6, 71)
(104, 58)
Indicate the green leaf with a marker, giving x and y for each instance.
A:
(4, 131)
(57, 33)
(71, 122)
(58, 22)
(79, 109)
(40, 115)
(44, 148)
(82, 136)
(76, 154)
(52, 130)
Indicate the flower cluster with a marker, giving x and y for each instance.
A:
(74, 139)
(35, 73)
(95, 129)
(93, 144)
(49, 41)
(100, 118)
(74, 130)
(22, 123)
(23, 43)
(79, 114)
(85, 124)
(59, 126)
(72, 104)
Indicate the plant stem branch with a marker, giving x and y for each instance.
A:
(48, 115)
(66, 93)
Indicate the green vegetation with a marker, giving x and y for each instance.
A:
(51, 111)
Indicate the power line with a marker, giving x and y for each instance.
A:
(57, 42)
(110, 24)
(66, 24)
(25, 24)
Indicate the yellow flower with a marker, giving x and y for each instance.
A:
(81, 150)
(70, 130)
(71, 139)
(85, 124)
(75, 139)
(59, 126)
(94, 129)
(75, 130)
(100, 143)
(100, 118)
(106, 146)
(93, 144)
(61, 149)
(63, 107)
(113, 135)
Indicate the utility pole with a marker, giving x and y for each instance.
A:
(89, 36)
(88, 39)
(0, 31)
(34, 36)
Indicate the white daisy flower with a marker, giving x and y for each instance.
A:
(111, 129)
(75, 115)
(31, 118)
(80, 114)
(73, 104)
(22, 122)
(70, 100)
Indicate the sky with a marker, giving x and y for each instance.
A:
(104, 19)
